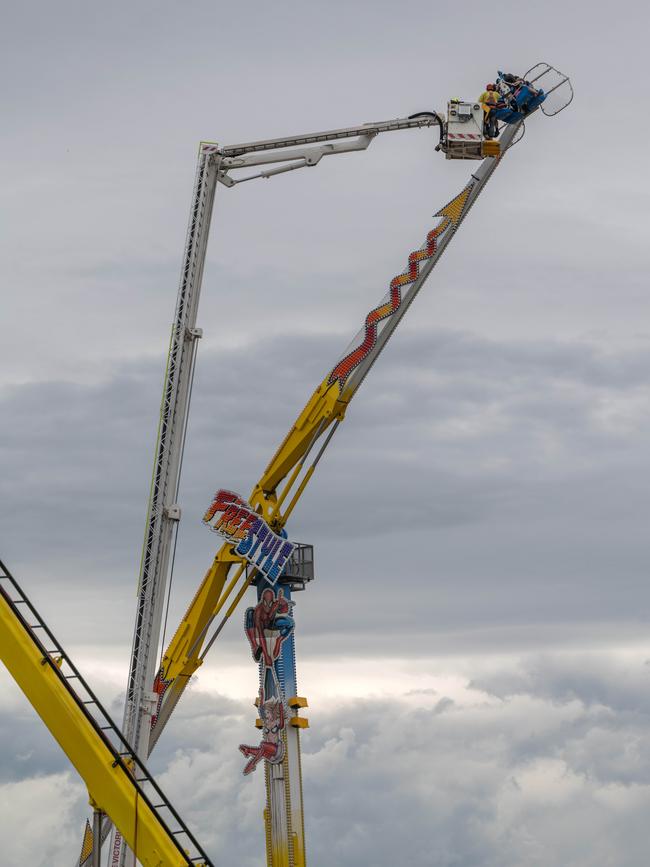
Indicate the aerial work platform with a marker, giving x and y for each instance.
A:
(466, 134)
(111, 763)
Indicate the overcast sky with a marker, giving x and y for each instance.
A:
(475, 648)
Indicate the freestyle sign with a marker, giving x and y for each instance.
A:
(234, 520)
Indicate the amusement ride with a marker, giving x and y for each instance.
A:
(129, 808)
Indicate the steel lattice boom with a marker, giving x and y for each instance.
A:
(152, 695)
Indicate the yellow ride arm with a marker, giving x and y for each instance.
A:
(182, 657)
(325, 409)
(111, 786)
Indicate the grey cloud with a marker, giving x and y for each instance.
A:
(512, 470)
(610, 683)
(510, 436)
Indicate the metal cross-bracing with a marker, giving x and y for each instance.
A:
(163, 512)
(153, 696)
(285, 478)
(118, 782)
(144, 688)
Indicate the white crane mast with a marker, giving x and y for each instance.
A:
(163, 512)
(214, 165)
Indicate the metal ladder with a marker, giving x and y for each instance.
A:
(97, 717)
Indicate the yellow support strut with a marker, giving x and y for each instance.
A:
(325, 409)
(110, 783)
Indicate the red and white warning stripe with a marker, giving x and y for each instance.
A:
(465, 136)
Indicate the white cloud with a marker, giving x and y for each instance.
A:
(521, 767)
(41, 819)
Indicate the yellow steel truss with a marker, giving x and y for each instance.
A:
(110, 785)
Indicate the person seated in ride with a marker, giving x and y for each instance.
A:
(517, 91)
(488, 100)
(513, 80)
(506, 88)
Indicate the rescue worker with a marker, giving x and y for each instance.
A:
(488, 100)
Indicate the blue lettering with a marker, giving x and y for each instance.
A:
(273, 572)
(244, 546)
(280, 562)
(262, 533)
(270, 544)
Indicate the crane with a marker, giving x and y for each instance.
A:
(274, 497)
(152, 691)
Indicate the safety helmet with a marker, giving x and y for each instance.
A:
(490, 87)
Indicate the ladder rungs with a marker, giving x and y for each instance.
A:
(100, 720)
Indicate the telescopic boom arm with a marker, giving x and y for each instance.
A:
(288, 473)
(152, 702)
(163, 512)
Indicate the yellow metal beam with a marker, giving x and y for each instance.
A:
(110, 785)
(182, 656)
(325, 408)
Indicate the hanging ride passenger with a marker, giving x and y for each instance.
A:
(513, 80)
(519, 94)
(488, 100)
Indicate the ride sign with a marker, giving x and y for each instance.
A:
(233, 519)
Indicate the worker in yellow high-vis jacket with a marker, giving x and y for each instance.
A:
(488, 100)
